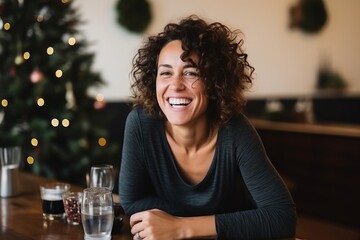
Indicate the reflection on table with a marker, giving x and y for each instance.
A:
(21, 216)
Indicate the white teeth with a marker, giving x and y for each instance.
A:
(179, 101)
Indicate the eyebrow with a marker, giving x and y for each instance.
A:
(188, 65)
(164, 65)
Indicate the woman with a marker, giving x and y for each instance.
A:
(192, 164)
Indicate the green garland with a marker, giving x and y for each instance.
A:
(134, 15)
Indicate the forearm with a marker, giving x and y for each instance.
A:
(197, 227)
(265, 223)
(133, 206)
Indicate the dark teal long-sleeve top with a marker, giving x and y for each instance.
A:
(241, 188)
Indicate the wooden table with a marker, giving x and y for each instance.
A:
(21, 216)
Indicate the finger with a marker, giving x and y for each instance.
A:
(137, 227)
(136, 236)
(135, 218)
(140, 235)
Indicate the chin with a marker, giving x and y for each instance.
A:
(177, 121)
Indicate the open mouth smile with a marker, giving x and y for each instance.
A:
(179, 102)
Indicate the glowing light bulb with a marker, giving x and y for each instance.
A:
(55, 122)
(99, 97)
(99, 102)
(30, 160)
(4, 103)
(7, 26)
(72, 41)
(18, 60)
(102, 142)
(65, 122)
(34, 142)
(40, 102)
(50, 50)
(26, 55)
(58, 73)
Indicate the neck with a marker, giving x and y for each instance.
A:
(190, 138)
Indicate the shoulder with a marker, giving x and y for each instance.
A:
(239, 131)
(239, 124)
(138, 116)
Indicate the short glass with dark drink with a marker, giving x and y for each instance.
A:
(52, 200)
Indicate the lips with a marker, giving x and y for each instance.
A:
(178, 102)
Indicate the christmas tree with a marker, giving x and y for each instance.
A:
(45, 79)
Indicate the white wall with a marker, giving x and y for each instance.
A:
(286, 61)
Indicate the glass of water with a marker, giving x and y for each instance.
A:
(97, 213)
(102, 176)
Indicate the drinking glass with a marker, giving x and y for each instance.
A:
(52, 199)
(97, 213)
(72, 202)
(102, 176)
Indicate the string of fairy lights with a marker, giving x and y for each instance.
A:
(36, 76)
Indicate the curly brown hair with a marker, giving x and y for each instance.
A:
(223, 66)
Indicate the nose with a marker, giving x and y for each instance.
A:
(177, 82)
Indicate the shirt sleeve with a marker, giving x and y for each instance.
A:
(274, 215)
(135, 187)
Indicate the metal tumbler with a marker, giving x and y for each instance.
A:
(9, 174)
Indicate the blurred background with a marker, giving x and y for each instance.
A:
(305, 101)
(286, 59)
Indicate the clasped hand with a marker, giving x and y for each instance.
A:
(155, 224)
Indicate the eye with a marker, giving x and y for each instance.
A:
(191, 75)
(165, 74)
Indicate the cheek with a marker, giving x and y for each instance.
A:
(199, 87)
(203, 96)
(161, 85)
(159, 90)
(204, 102)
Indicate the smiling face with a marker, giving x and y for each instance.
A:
(180, 91)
